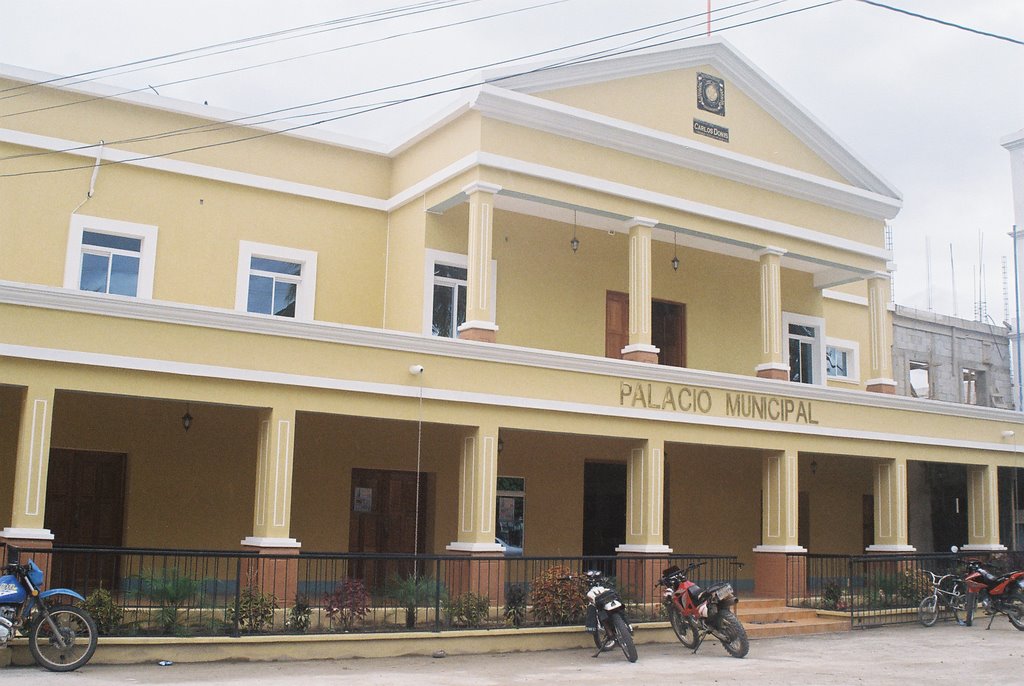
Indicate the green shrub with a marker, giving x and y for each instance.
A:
(108, 614)
(559, 597)
(412, 592)
(254, 611)
(299, 615)
(515, 606)
(832, 596)
(468, 610)
(170, 591)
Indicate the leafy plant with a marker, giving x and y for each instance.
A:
(254, 610)
(348, 602)
(832, 596)
(559, 596)
(515, 605)
(108, 614)
(170, 591)
(468, 609)
(412, 592)
(299, 615)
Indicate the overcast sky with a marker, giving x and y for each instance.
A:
(923, 104)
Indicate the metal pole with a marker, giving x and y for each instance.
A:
(1016, 324)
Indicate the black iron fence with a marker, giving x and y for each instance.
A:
(875, 590)
(136, 591)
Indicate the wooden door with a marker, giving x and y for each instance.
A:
(668, 328)
(384, 520)
(616, 315)
(85, 506)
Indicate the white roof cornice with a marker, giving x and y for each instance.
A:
(571, 122)
(720, 54)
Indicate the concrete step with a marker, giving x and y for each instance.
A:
(770, 618)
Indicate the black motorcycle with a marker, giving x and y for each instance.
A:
(606, 617)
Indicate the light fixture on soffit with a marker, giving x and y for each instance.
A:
(575, 242)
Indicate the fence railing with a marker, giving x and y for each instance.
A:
(874, 590)
(139, 591)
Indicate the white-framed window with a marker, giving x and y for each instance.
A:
(805, 348)
(842, 360)
(275, 281)
(445, 287)
(110, 256)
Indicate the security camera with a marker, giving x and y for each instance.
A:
(416, 369)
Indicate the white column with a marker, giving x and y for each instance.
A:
(773, 358)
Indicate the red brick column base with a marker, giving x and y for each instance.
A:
(777, 573)
(479, 573)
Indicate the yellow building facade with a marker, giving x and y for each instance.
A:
(635, 306)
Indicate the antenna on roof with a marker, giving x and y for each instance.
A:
(709, 17)
(952, 275)
(928, 270)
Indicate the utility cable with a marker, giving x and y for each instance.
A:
(391, 103)
(278, 61)
(944, 22)
(248, 120)
(349, 22)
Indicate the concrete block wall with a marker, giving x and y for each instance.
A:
(949, 345)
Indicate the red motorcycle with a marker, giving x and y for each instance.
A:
(996, 594)
(694, 612)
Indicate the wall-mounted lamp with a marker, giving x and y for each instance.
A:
(186, 419)
(814, 467)
(501, 444)
(575, 242)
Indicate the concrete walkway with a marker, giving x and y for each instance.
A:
(906, 655)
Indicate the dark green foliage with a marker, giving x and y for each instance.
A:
(299, 615)
(515, 606)
(467, 610)
(107, 614)
(255, 611)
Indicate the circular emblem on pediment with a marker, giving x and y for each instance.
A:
(710, 93)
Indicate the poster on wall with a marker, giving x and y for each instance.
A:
(362, 500)
(506, 510)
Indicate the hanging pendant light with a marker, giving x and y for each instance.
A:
(574, 243)
(675, 255)
(186, 419)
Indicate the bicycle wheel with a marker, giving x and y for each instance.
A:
(928, 610)
(957, 601)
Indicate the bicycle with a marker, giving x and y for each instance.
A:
(948, 590)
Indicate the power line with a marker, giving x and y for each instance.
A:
(391, 103)
(944, 22)
(277, 61)
(244, 120)
(266, 38)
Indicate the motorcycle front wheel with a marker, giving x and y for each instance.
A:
(67, 648)
(683, 627)
(624, 638)
(928, 610)
(1015, 610)
(732, 634)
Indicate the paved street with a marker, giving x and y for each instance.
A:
(907, 655)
